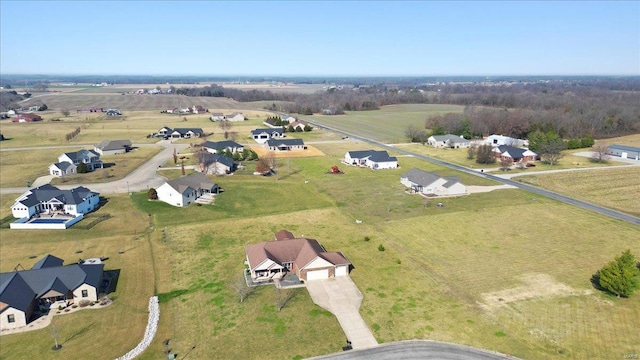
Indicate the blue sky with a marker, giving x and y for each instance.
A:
(332, 38)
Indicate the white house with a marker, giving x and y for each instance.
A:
(88, 157)
(285, 144)
(113, 147)
(625, 152)
(186, 189)
(48, 198)
(217, 116)
(371, 158)
(222, 146)
(432, 184)
(215, 164)
(62, 169)
(514, 154)
(48, 283)
(449, 140)
(262, 135)
(497, 140)
(236, 116)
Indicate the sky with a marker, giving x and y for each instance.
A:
(320, 38)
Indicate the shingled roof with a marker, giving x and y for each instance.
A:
(193, 181)
(48, 192)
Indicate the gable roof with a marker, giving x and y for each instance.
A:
(221, 145)
(286, 142)
(63, 165)
(421, 177)
(49, 192)
(373, 155)
(266, 130)
(624, 147)
(514, 152)
(107, 145)
(81, 154)
(18, 289)
(48, 261)
(195, 181)
(287, 249)
(451, 138)
(208, 159)
(184, 131)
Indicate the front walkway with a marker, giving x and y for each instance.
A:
(341, 297)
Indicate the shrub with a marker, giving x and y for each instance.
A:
(74, 306)
(366, 238)
(381, 247)
(84, 303)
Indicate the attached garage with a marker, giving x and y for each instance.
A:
(342, 270)
(318, 274)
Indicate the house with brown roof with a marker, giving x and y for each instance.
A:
(287, 254)
(26, 117)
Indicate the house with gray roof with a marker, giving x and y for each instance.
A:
(432, 184)
(47, 284)
(186, 189)
(62, 169)
(514, 154)
(222, 146)
(449, 141)
(285, 144)
(48, 199)
(89, 158)
(113, 147)
(623, 151)
(262, 135)
(373, 159)
(215, 164)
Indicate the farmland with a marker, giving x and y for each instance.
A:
(441, 276)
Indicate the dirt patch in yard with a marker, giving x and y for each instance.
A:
(535, 286)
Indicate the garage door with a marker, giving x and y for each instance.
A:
(342, 270)
(318, 274)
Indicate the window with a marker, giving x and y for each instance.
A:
(11, 318)
(85, 293)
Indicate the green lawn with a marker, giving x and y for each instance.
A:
(387, 124)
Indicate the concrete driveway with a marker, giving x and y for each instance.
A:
(342, 298)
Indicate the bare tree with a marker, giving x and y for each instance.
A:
(225, 125)
(266, 163)
(175, 156)
(600, 152)
(505, 163)
(283, 296)
(242, 289)
(233, 135)
(65, 112)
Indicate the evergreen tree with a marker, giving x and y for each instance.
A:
(621, 276)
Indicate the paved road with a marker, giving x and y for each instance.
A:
(550, 194)
(417, 350)
(140, 179)
(341, 297)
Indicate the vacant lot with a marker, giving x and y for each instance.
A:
(387, 124)
(616, 188)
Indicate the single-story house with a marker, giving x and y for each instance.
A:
(222, 146)
(217, 116)
(198, 109)
(236, 116)
(427, 183)
(48, 283)
(498, 140)
(303, 257)
(215, 164)
(371, 158)
(62, 169)
(113, 147)
(623, 151)
(297, 125)
(285, 144)
(449, 140)
(87, 157)
(180, 133)
(26, 117)
(186, 189)
(48, 198)
(506, 152)
(262, 135)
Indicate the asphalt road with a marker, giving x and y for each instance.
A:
(416, 350)
(549, 194)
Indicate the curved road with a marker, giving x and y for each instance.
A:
(417, 350)
(550, 194)
(140, 179)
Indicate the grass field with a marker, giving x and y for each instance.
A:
(613, 188)
(387, 124)
(441, 276)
